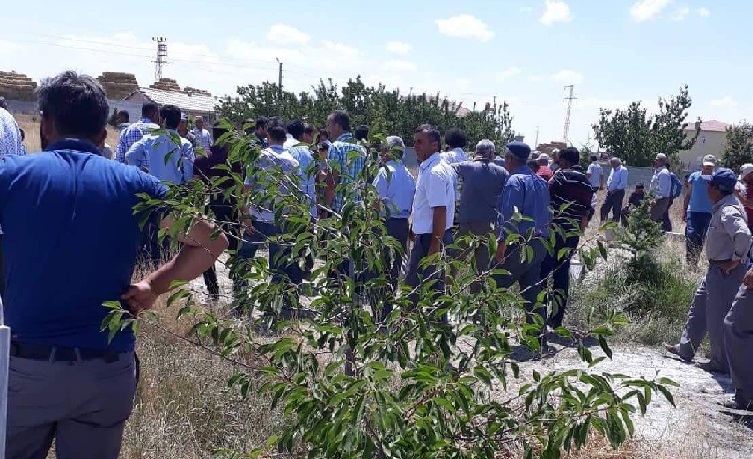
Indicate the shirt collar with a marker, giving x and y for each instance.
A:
(74, 145)
(344, 136)
(727, 200)
(146, 120)
(524, 169)
(428, 162)
(277, 148)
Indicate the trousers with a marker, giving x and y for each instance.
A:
(695, 235)
(481, 254)
(416, 274)
(559, 269)
(738, 342)
(613, 203)
(526, 272)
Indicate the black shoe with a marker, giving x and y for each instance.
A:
(735, 403)
(712, 367)
(674, 349)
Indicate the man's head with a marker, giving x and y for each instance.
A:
(296, 128)
(615, 162)
(23, 134)
(260, 127)
(124, 117)
(183, 125)
(309, 131)
(338, 122)
(569, 157)
(746, 175)
(393, 148)
(73, 105)
(3, 103)
(426, 141)
(640, 188)
(543, 159)
(660, 160)
(150, 110)
(534, 165)
(323, 136)
(722, 184)
(486, 149)
(455, 138)
(199, 121)
(361, 132)
(170, 115)
(594, 158)
(708, 165)
(277, 135)
(517, 155)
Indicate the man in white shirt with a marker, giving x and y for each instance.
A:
(616, 185)
(661, 188)
(203, 137)
(456, 140)
(595, 174)
(433, 209)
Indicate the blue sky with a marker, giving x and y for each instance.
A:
(522, 51)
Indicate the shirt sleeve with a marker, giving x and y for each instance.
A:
(382, 183)
(737, 228)
(437, 190)
(512, 198)
(188, 162)
(136, 154)
(120, 150)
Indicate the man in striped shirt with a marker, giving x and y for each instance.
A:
(346, 166)
(571, 193)
(133, 133)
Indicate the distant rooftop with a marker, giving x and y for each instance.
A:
(193, 102)
(710, 126)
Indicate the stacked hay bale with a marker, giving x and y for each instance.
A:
(118, 85)
(17, 86)
(166, 84)
(198, 92)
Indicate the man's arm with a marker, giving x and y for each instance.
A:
(438, 222)
(188, 162)
(686, 200)
(200, 248)
(136, 154)
(735, 225)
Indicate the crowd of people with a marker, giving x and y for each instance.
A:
(72, 240)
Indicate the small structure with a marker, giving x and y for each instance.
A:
(17, 86)
(118, 85)
(710, 141)
(198, 103)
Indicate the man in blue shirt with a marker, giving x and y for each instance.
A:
(697, 209)
(616, 185)
(345, 166)
(396, 187)
(134, 132)
(167, 156)
(76, 250)
(660, 188)
(525, 195)
(307, 169)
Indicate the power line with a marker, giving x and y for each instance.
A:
(161, 56)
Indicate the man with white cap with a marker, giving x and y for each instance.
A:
(544, 170)
(661, 188)
(616, 185)
(203, 137)
(697, 209)
(727, 247)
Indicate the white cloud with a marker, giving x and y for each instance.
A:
(508, 73)
(726, 102)
(567, 77)
(681, 13)
(556, 11)
(526, 9)
(398, 47)
(703, 12)
(465, 26)
(399, 66)
(341, 50)
(283, 34)
(644, 10)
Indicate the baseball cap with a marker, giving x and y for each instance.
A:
(661, 156)
(184, 116)
(709, 160)
(640, 185)
(520, 150)
(724, 178)
(745, 169)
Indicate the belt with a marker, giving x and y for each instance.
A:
(60, 353)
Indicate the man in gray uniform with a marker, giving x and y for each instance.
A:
(727, 245)
(738, 342)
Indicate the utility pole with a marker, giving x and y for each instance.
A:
(161, 57)
(279, 79)
(536, 142)
(569, 100)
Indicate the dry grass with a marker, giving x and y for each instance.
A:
(30, 125)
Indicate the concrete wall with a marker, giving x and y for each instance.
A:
(21, 107)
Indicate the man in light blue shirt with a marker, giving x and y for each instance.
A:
(167, 156)
(396, 187)
(346, 166)
(136, 131)
(661, 188)
(697, 209)
(525, 194)
(616, 185)
(303, 133)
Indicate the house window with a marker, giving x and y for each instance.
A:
(703, 139)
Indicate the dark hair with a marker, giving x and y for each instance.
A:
(23, 134)
(570, 154)
(75, 104)
(277, 133)
(639, 186)
(361, 132)
(3, 104)
(341, 118)
(323, 133)
(276, 121)
(125, 114)
(533, 164)
(261, 122)
(456, 138)
(296, 128)
(594, 158)
(149, 109)
(218, 131)
(432, 132)
(171, 115)
(308, 129)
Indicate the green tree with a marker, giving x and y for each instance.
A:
(636, 137)
(738, 145)
(356, 384)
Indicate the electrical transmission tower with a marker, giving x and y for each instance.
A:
(161, 57)
(569, 99)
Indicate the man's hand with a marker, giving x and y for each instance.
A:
(139, 297)
(248, 225)
(730, 265)
(500, 255)
(748, 279)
